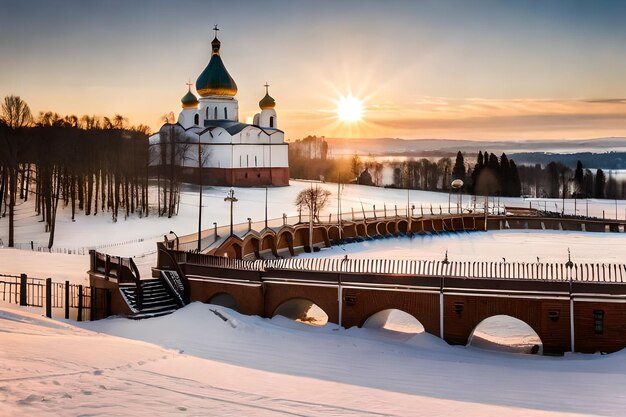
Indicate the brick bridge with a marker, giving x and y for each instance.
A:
(571, 307)
(285, 239)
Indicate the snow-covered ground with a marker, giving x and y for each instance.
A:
(196, 363)
(240, 365)
(513, 245)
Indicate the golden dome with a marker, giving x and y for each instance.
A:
(267, 102)
(189, 100)
(215, 79)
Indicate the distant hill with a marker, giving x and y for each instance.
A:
(446, 147)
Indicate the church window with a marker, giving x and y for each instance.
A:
(196, 119)
(225, 113)
(215, 113)
(271, 121)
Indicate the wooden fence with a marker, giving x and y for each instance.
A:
(85, 301)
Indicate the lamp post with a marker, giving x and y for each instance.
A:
(266, 206)
(200, 196)
(231, 199)
(457, 184)
(172, 233)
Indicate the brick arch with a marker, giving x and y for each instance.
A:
(284, 240)
(417, 226)
(224, 299)
(324, 297)
(463, 314)
(350, 230)
(381, 229)
(333, 233)
(251, 245)
(361, 304)
(384, 315)
(469, 339)
(299, 306)
(402, 226)
(268, 242)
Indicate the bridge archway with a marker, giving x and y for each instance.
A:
(392, 228)
(381, 228)
(285, 241)
(394, 320)
(302, 310)
(224, 299)
(251, 246)
(361, 229)
(506, 333)
(268, 243)
(403, 226)
(372, 230)
(333, 233)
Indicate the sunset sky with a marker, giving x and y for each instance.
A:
(423, 69)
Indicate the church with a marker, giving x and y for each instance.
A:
(209, 145)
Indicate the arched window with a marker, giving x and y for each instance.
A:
(271, 121)
(207, 113)
(196, 119)
(254, 160)
(215, 113)
(225, 113)
(248, 161)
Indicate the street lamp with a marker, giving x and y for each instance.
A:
(200, 195)
(172, 233)
(231, 199)
(457, 184)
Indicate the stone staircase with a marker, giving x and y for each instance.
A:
(157, 299)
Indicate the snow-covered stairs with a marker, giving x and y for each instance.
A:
(157, 300)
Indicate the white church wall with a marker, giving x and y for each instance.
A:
(213, 109)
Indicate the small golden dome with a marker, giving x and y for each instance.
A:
(267, 102)
(189, 100)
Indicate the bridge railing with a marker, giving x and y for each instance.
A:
(461, 269)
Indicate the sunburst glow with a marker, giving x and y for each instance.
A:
(350, 109)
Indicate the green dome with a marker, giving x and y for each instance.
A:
(189, 100)
(215, 79)
(267, 102)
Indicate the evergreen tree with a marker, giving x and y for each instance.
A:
(515, 181)
(579, 179)
(600, 184)
(504, 176)
(458, 172)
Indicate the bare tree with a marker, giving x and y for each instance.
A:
(315, 199)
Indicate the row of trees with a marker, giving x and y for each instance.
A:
(489, 175)
(91, 164)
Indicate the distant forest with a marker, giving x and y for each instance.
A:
(606, 161)
(559, 176)
(91, 164)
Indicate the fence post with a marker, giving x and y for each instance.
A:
(23, 290)
(49, 297)
(79, 317)
(92, 303)
(67, 300)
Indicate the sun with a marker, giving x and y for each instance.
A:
(350, 109)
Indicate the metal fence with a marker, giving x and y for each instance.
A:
(74, 300)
